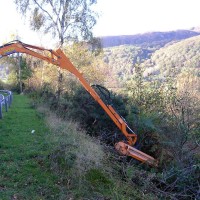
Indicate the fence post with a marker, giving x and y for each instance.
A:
(1, 115)
(11, 98)
(6, 103)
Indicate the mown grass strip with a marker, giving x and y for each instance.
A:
(24, 170)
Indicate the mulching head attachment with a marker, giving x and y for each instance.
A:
(127, 150)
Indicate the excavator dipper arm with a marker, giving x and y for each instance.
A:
(59, 59)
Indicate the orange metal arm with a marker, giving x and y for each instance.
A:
(59, 58)
(65, 63)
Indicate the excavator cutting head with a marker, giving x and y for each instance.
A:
(127, 150)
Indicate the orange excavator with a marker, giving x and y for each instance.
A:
(59, 59)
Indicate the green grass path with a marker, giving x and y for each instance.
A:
(24, 167)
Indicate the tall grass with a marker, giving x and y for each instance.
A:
(67, 137)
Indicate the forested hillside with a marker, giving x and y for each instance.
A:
(171, 60)
(153, 40)
(174, 59)
(121, 59)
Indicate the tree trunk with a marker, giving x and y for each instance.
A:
(19, 74)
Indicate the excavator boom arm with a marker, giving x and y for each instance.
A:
(60, 59)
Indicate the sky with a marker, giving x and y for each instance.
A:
(117, 17)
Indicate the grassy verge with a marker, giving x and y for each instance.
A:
(43, 157)
(22, 145)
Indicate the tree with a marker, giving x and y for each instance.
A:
(183, 116)
(26, 72)
(66, 20)
(69, 20)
